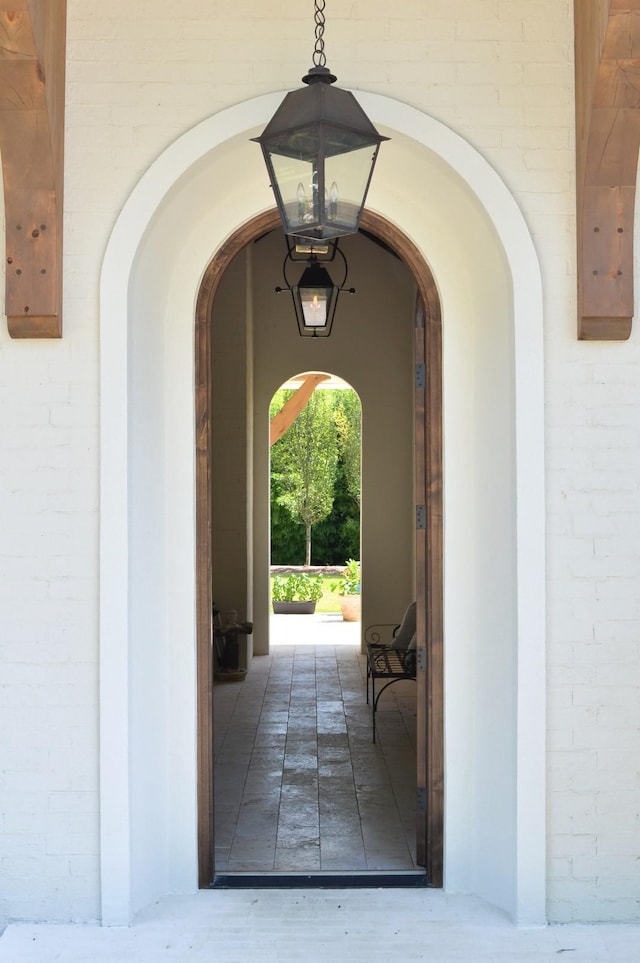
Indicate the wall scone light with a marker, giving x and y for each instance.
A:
(315, 296)
(320, 149)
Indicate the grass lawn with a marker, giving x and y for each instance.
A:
(330, 601)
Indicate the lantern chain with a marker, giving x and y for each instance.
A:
(319, 58)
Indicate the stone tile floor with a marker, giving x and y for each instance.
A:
(300, 787)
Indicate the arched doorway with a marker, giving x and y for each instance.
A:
(315, 419)
(453, 205)
(428, 541)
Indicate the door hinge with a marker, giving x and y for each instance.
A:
(421, 516)
(421, 660)
(420, 375)
(421, 800)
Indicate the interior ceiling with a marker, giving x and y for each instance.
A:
(332, 381)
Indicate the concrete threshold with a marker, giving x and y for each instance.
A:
(320, 926)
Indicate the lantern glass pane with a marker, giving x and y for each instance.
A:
(297, 185)
(346, 181)
(314, 306)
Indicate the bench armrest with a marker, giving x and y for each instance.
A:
(380, 634)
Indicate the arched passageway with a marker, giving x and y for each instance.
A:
(454, 208)
(387, 343)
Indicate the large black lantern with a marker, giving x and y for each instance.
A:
(320, 149)
(315, 296)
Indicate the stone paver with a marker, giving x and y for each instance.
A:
(293, 740)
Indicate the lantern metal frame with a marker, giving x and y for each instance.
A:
(314, 277)
(313, 126)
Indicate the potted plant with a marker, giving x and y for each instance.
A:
(296, 594)
(348, 589)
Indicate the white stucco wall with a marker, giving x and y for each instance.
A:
(500, 74)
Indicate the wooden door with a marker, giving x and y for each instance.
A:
(429, 592)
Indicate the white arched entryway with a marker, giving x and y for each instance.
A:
(455, 209)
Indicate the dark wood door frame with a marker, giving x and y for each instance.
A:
(429, 541)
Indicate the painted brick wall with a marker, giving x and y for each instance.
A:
(48, 596)
(499, 72)
(594, 676)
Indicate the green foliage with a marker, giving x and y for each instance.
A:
(304, 461)
(348, 416)
(351, 536)
(330, 601)
(287, 537)
(349, 584)
(279, 400)
(337, 534)
(297, 587)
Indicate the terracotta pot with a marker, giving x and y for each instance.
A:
(351, 608)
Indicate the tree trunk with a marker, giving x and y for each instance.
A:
(307, 549)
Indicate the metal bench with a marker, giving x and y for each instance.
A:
(385, 663)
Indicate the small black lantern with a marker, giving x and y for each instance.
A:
(315, 296)
(320, 149)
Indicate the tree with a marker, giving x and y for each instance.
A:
(304, 463)
(287, 535)
(348, 422)
(338, 536)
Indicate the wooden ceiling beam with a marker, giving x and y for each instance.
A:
(32, 70)
(282, 421)
(607, 41)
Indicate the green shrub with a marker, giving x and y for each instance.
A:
(349, 584)
(297, 587)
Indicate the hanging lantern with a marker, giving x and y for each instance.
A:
(320, 149)
(315, 296)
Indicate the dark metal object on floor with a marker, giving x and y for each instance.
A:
(226, 629)
(392, 665)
